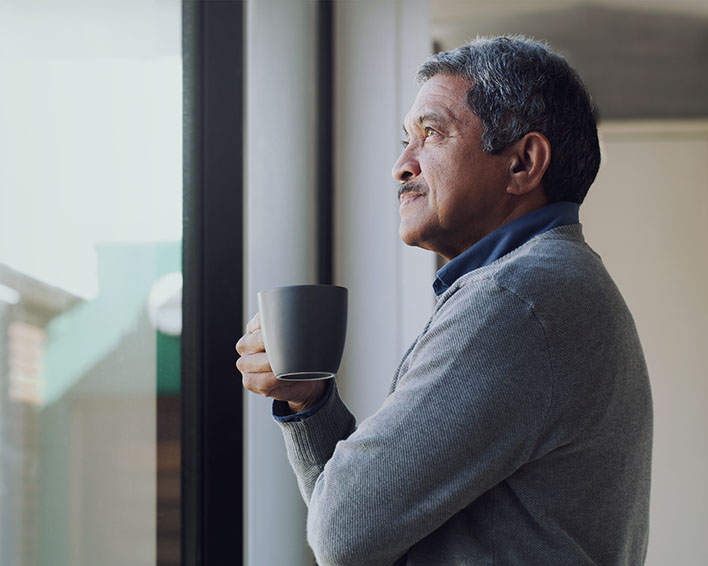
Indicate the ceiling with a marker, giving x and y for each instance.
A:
(639, 58)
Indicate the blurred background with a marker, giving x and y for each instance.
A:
(90, 267)
(92, 117)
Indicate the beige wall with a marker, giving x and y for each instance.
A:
(112, 466)
(647, 216)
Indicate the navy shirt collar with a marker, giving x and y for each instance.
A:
(505, 239)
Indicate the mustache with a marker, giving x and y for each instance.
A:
(411, 187)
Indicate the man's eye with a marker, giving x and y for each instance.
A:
(404, 143)
(429, 132)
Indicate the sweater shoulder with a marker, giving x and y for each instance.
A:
(553, 265)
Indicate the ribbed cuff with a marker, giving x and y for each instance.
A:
(283, 414)
(312, 439)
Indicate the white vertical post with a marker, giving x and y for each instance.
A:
(416, 267)
(378, 47)
(280, 244)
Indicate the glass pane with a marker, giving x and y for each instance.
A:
(90, 282)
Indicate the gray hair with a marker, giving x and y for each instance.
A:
(518, 86)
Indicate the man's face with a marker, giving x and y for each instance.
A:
(452, 193)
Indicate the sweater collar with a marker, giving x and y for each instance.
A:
(505, 239)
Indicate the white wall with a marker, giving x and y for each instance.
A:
(647, 216)
(280, 245)
(379, 46)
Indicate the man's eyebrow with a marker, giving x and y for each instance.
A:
(434, 117)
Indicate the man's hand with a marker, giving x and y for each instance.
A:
(258, 376)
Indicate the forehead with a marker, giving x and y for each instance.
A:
(443, 96)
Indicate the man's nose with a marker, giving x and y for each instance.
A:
(406, 167)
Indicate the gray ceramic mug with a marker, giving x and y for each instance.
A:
(304, 327)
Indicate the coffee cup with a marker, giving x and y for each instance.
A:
(304, 329)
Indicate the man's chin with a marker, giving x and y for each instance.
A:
(425, 240)
(409, 236)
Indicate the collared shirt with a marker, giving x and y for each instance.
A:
(505, 239)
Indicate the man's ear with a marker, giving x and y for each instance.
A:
(529, 158)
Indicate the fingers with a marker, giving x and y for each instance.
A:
(254, 324)
(251, 343)
(300, 395)
(254, 363)
(256, 374)
(265, 384)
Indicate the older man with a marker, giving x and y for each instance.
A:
(518, 425)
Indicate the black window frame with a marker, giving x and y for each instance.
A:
(212, 416)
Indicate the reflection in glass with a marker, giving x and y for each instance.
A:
(90, 283)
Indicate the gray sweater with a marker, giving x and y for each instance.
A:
(517, 431)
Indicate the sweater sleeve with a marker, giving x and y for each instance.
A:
(310, 441)
(466, 413)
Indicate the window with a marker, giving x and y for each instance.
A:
(90, 283)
